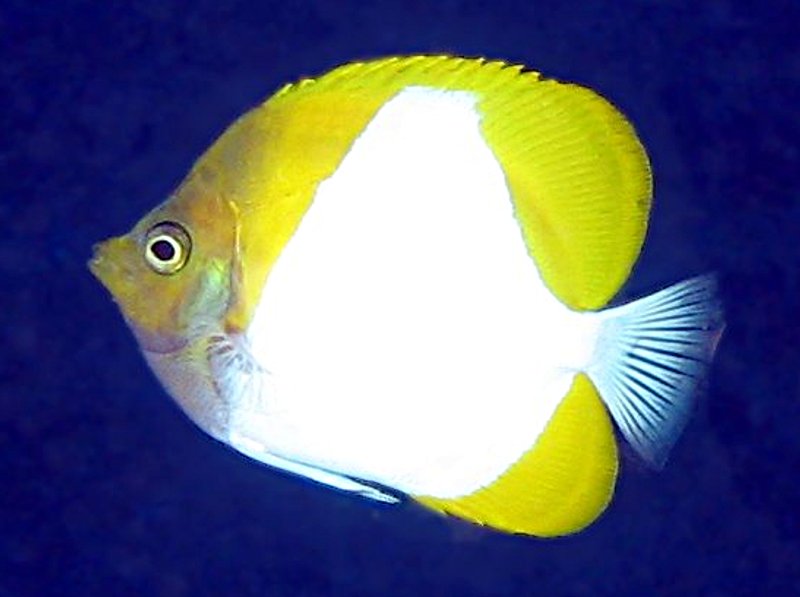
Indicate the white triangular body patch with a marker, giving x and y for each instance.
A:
(409, 337)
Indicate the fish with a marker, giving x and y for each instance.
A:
(397, 280)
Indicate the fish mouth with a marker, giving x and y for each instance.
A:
(100, 265)
(106, 260)
(95, 264)
(111, 265)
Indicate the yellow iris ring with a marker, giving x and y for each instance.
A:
(167, 248)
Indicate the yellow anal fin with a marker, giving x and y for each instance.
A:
(560, 485)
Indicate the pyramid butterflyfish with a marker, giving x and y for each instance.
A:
(394, 280)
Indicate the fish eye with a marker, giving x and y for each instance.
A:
(167, 247)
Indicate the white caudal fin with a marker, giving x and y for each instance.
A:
(651, 356)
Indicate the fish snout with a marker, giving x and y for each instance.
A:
(108, 262)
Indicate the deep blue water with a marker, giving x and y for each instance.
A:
(106, 486)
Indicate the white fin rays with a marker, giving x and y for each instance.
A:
(651, 357)
(239, 378)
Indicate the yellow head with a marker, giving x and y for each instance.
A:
(189, 274)
(172, 272)
(174, 277)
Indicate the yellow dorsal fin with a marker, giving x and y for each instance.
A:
(581, 185)
(561, 484)
(579, 177)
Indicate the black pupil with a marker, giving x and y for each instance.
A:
(163, 250)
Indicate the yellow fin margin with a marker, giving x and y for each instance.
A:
(559, 486)
(581, 185)
(578, 176)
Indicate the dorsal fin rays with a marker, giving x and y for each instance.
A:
(579, 178)
(652, 356)
(393, 74)
(577, 173)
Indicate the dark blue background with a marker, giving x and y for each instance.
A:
(108, 489)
